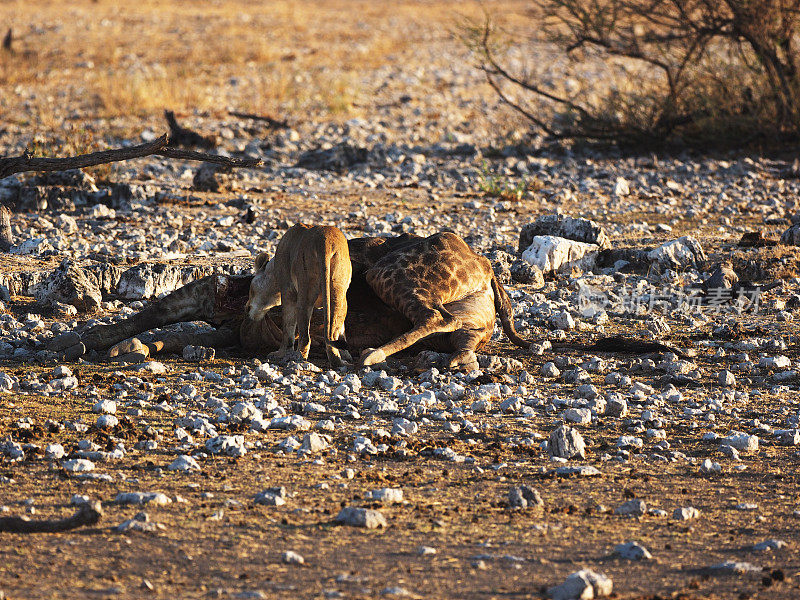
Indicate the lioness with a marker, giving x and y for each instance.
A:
(311, 268)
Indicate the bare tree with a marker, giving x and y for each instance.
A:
(691, 47)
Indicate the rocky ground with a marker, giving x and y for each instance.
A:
(554, 471)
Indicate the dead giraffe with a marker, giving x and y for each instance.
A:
(405, 289)
(442, 287)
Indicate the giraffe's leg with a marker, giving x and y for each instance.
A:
(192, 302)
(175, 342)
(465, 342)
(427, 321)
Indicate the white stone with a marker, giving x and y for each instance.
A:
(582, 585)
(184, 463)
(108, 407)
(360, 517)
(106, 422)
(635, 507)
(386, 495)
(685, 513)
(155, 498)
(632, 551)
(741, 441)
(555, 254)
(681, 253)
(292, 558)
(566, 442)
(580, 416)
(78, 465)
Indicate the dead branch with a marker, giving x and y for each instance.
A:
(159, 147)
(181, 136)
(89, 513)
(177, 153)
(271, 123)
(28, 162)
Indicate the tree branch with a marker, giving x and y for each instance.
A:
(159, 147)
(27, 162)
(89, 513)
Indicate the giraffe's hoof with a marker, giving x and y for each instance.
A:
(464, 361)
(371, 356)
(127, 347)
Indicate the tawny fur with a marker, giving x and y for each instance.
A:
(311, 268)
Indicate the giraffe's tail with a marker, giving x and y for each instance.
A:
(502, 304)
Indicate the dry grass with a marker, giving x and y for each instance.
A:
(109, 59)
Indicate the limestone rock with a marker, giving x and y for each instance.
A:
(69, 285)
(566, 442)
(579, 230)
(557, 255)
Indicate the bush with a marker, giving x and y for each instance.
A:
(696, 72)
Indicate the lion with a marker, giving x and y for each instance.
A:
(311, 268)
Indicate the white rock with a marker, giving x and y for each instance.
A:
(151, 366)
(581, 416)
(741, 441)
(635, 507)
(313, 442)
(386, 495)
(54, 451)
(566, 442)
(769, 546)
(106, 422)
(681, 253)
(685, 513)
(550, 370)
(555, 254)
(632, 551)
(621, 187)
(360, 517)
(229, 445)
(184, 463)
(582, 585)
(108, 407)
(562, 321)
(78, 465)
(292, 558)
(155, 498)
(775, 363)
(271, 497)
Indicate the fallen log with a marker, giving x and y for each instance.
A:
(158, 147)
(89, 513)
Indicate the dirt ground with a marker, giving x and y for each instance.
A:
(216, 539)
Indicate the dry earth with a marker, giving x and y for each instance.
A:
(423, 146)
